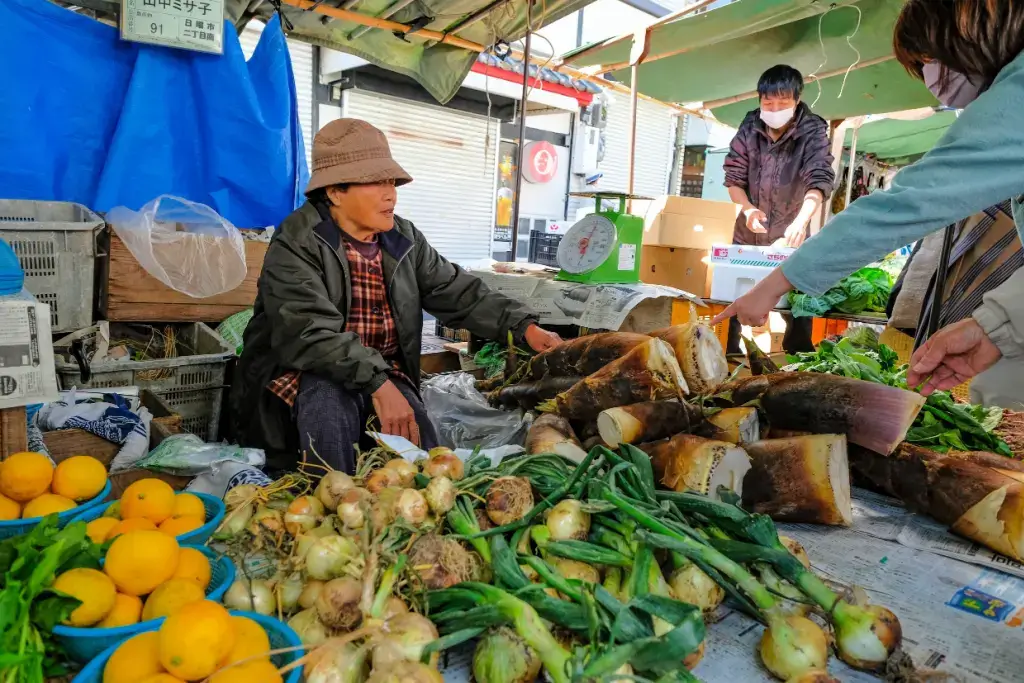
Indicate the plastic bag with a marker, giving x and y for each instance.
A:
(185, 245)
(187, 455)
(463, 417)
(233, 328)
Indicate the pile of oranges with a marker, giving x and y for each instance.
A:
(201, 640)
(150, 505)
(30, 486)
(146, 575)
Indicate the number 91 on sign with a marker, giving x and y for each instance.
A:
(184, 24)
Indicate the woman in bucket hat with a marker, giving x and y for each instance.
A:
(337, 325)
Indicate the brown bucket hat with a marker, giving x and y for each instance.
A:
(352, 151)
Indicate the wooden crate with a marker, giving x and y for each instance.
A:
(13, 432)
(130, 294)
(64, 443)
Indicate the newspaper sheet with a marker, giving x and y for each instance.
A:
(958, 618)
(27, 373)
(603, 307)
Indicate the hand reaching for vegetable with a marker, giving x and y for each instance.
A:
(540, 339)
(395, 414)
(753, 307)
(952, 356)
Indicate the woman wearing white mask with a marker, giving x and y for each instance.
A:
(968, 53)
(779, 170)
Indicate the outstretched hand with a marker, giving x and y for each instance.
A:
(955, 354)
(540, 339)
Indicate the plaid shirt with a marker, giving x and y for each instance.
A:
(369, 317)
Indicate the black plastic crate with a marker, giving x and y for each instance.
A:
(544, 249)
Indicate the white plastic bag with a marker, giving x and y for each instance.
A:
(185, 245)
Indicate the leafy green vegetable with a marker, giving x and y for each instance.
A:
(28, 608)
(867, 290)
(942, 425)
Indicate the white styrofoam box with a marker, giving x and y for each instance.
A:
(738, 267)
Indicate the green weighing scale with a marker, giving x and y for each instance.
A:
(602, 248)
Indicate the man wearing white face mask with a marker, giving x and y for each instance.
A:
(779, 170)
(969, 54)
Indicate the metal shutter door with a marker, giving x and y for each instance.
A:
(302, 67)
(447, 153)
(655, 128)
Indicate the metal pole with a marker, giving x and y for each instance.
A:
(521, 152)
(633, 100)
(853, 164)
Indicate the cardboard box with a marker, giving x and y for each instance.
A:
(685, 269)
(737, 268)
(689, 223)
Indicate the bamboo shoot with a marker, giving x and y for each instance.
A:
(584, 355)
(801, 479)
(646, 422)
(554, 434)
(700, 355)
(692, 463)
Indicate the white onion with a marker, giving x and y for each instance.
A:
(252, 596)
(351, 508)
(691, 585)
(236, 520)
(303, 514)
(337, 663)
(567, 521)
(240, 495)
(440, 495)
(572, 569)
(444, 464)
(327, 557)
(792, 646)
(393, 606)
(338, 604)
(407, 635)
(380, 480)
(412, 507)
(288, 591)
(310, 590)
(266, 519)
(308, 627)
(405, 470)
(331, 488)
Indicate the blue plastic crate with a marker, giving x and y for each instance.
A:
(17, 527)
(215, 511)
(12, 277)
(280, 634)
(82, 644)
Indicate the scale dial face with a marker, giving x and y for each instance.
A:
(587, 244)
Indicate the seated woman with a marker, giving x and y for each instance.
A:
(336, 330)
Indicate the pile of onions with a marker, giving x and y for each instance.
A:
(509, 499)
(329, 557)
(567, 521)
(303, 513)
(405, 636)
(251, 596)
(442, 463)
(332, 487)
(337, 605)
(440, 495)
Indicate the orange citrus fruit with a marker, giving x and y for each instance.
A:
(170, 596)
(136, 659)
(127, 610)
(139, 561)
(125, 525)
(25, 476)
(176, 525)
(196, 639)
(46, 504)
(9, 509)
(80, 477)
(162, 678)
(190, 505)
(93, 588)
(149, 498)
(251, 640)
(256, 671)
(98, 529)
(113, 510)
(193, 565)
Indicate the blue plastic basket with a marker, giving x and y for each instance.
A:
(82, 644)
(279, 633)
(16, 527)
(215, 511)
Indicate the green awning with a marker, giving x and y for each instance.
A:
(720, 54)
(438, 67)
(892, 139)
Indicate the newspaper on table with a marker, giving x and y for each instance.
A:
(961, 618)
(603, 307)
(27, 373)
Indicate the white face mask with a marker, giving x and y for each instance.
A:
(958, 93)
(778, 119)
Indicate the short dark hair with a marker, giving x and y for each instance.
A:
(319, 195)
(781, 80)
(973, 37)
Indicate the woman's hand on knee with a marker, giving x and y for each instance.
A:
(395, 414)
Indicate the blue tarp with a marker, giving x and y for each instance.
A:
(86, 117)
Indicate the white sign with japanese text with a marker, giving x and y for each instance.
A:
(186, 24)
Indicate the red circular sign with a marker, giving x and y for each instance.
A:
(541, 163)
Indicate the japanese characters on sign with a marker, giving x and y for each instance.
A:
(187, 24)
